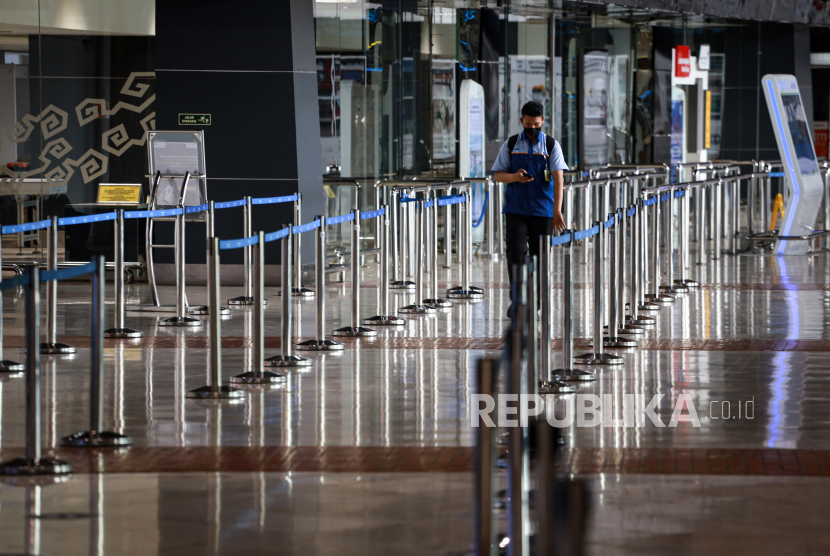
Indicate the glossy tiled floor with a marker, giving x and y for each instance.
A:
(368, 451)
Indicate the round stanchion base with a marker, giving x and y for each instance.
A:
(573, 375)
(122, 333)
(471, 295)
(57, 348)
(180, 321)
(642, 321)
(687, 283)
(401, 285)
(661, 299)
(461, 288)
(320, 345)
(617, 342)
(287, 361)
(221, 393)
(204, 310)
(417, 310)
(244, 300)
(299, 292)
(354, 331)
(31, 467)
(262, 377)
(385, 321)
(648, 306)
(7, 366)
(678, 291)
(96, 439)
(555, 387)
(598, 359)
(631, 329)
(437, 303)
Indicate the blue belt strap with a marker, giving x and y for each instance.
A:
(586, 233)
(649, 202)
(27, 227)
(272, 200)
(561, 240)
(229, 204)
(340, 219)
(152, 213)
(306, 227)
(373, 214)
(238, 243)
(279, 234)
(631, 212)
(197, 208)
(16, 282)
(69, 221)
(776, 174)
(67, 273)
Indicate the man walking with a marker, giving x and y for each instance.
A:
(532, 166)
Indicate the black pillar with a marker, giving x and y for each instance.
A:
(251, 66)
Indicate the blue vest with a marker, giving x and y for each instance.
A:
(534, 198)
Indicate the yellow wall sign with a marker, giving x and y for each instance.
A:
(707, 128)
(194, 119)
(119, 193)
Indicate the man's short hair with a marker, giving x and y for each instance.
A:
(533, 109)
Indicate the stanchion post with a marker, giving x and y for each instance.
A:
(636, 303)
(491, 204)
(51, 346)
(717, 233)
(614, 304)
(598, 357)
(399, 281)
(419, 308)
(248, 229)
(6, 366)
(383, 318)
(287, 357)
(683, 251)
(96, 436)
(485, 537)
(671, 286)
(518, 477)
(355, 330)
(33, 463)
(621, 326)
(432, 252)
(215, 390)
(298, 290)
(644, 304)
(181, 318)
(321, 343)
(257, 375)
(120, 331)
(655, 296)
(465, 225)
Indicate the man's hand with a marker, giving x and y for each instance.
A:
(522, 176)
(558, 222)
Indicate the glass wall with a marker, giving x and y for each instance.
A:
(76, 98)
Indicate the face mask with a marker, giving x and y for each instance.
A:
(532, 132)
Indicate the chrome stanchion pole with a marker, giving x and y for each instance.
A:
(485, 538)
(656, 296)
(96, 436)
(585, 218)
(321, 343)
(287, 358)
(120, 331)
(567, 373)
(51, 346)
(215, 390)
(700, 222)
(491, 203)
(683, 252)
(614, 304)
(248, 225)
(418, 308)
(622, 326)
(499, 208)
(465, 225)
(6, 366)
(298, 290)
(210, 219)
(257, 375)
(644, 304)
(355, 329)
(734, 215)
(448, 233)
(33, 463)
(432, 251)
(717, 233)
(598, 357)
(399, 281)
(181, 318)
(383, 319)
(518, 472)
(671, 286)
(636, 303)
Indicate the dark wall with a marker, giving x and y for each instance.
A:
(255, 75)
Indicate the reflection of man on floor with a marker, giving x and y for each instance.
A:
(532, 166)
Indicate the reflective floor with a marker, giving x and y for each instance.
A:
(733, 342)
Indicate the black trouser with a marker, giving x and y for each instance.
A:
(522, 232)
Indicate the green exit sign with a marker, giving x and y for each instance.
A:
(194, 119)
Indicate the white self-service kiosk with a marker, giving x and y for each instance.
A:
(803, 189)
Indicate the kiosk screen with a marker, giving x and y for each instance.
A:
(800, 134)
